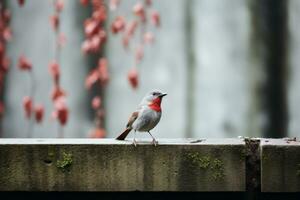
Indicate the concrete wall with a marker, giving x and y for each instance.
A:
(173, 165)
(280, 165)
(109, 165)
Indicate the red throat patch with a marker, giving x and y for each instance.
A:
(155, 104)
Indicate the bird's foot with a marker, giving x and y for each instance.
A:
(154, 142)
(134, 142)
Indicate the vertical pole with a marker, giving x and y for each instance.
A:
(270, 29)
(190, 61)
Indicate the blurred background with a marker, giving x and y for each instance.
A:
(229, 68)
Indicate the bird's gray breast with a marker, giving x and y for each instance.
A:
(146, 120)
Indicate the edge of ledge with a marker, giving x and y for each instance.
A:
(279, 142)
(112, 141)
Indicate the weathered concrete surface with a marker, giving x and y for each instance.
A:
(280, 165)
(110, 165)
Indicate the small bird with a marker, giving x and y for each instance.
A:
(146, 117)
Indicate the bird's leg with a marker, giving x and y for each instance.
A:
(134, 140)
(153, 139)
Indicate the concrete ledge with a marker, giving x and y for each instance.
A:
(110, 165)
(280, 165)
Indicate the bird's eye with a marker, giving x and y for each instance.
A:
(154, 93)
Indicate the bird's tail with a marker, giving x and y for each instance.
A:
(123, 135)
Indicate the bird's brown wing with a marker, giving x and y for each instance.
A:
(132, 118)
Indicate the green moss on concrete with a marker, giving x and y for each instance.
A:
(217, 167)
(65, 163)
(204, 162)
(198, 160)
(214, 165)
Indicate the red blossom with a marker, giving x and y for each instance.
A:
(84, 2)
(56, 93)
(118, 24)
(155, 18)
(7, 34)
(39, 113)
(97, 3)
(94, 28)
(95, 43)
(139, 10)
(91, 79)
(100, 14)
(99, 74)
(131, 28)
(4, 64)
(96, 102)
(102, 35)
(54, 21)
(27, 106)
(86, 47)
(6, 16)
(24, 63)
(54, 71)
(59, 5)
(2, 49)
(97, 133)
(103, 71)
(133, 78)
(21, 2)
(1, 79)
(91, 45)
(61, 111)
(90, 27)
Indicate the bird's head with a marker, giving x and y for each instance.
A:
(153, 99)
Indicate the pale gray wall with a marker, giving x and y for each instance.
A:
(225, 102)
(225, 98)
(294, 73)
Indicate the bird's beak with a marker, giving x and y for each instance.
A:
(162, 95)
